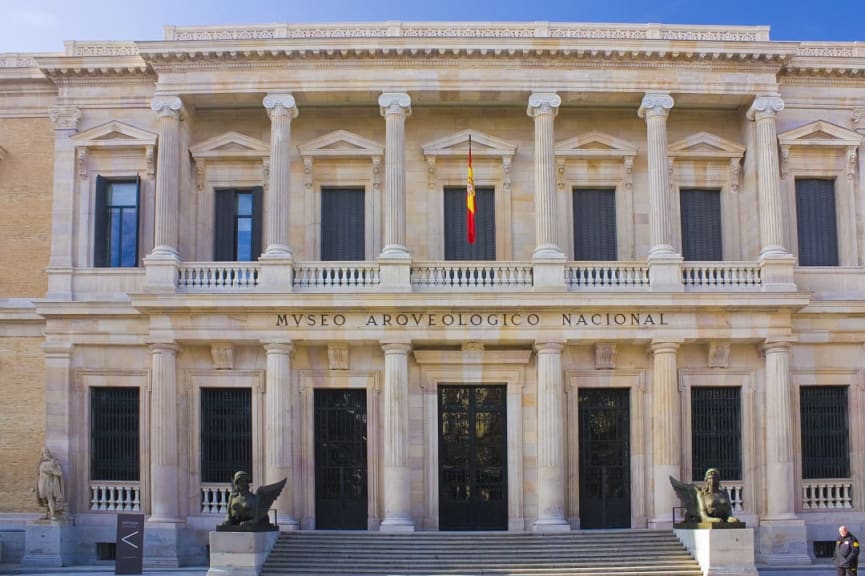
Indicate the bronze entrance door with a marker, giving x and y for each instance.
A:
(340, 460)
(605, 458)
(473, 463)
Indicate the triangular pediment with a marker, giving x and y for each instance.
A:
(820, 133)
(706, 146)
(595, 145)
(341, 144)
(231, 145)
(115, 134)
(483, 145)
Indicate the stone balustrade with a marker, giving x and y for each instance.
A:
(727, 275)
(327, 276)
(821, 495)
(207, 276)
(115, 497)
(607, 275)
(214, 498)
(427, 276)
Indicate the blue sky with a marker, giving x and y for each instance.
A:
(43, 25)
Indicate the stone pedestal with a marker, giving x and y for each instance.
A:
(239, 553)
(783, 542)
(721, 552)
(161, 543)
(49, 543)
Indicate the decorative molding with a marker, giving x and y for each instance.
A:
(719, 355)
(341, 144)
(280, 105)
(307, 174)
(735, 173)
(765, 106)
(543, 103)
(65, 117)
(102, 48)
(704, 145)
(231, 145)
(655, 104)
(394, 103)
(115, 135)
(82, 163)
(338, 356)
(595, 145)
(857, 118)
(605, 356)
(820, 134)
(222, 354)
(457, 146)
(472, 357)
(851, 162)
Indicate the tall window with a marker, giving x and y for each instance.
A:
(238, 225)
(825, 433)
(456, 242)
(114, 441)
(115, 242)
(342, 224)
(816, 223)
(594, 224)
(226, 433)
(701, 225)
(716, 431)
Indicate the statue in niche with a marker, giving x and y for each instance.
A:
(49, 486)
(247, 512)
(706, 506)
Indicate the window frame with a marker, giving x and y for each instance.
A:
(682, 192)
(102, 233)
(257, 219)
(461, 190)
(571, 214)
(366, 222)
(838, 240)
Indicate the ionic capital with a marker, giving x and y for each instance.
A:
(164, 348)
(780, 344)
(399, 348)
(858, 120)
(664, 346)
(65, 117)
(765, 106)
(394, 103)
(549, 347)
(279, 348)
(543, 103)
(280, 105)
(655, 104)
(167, 106)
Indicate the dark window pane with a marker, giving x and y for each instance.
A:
(716, 431)
(114, 444)
(594, 224)
(237, 227)
(701, 225)
(226, 433)
(825, 433)
(456, 242)
(816, 222)
(116, 223)
(342, 224)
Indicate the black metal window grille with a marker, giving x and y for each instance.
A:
(114, 438)
(455, 238)
(701, 225)
(716, 431)
(594, 224)
(825, 432)
(343, 228)
(226, 433)
(816, 222)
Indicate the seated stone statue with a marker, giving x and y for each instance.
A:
(707, 504)
(247, 512)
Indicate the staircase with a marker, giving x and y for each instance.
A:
(595, 553)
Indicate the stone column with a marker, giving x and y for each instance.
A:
(858, 120)
(164, 477)
(397, 502)
(543, 107)
(763, 111)
(654, 108)
(279, 453)
(282, 109)
(551, 453)
(169, 110)
(395, 107)
(666, 432)
(65, 121)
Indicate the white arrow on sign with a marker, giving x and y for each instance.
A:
(124, 539)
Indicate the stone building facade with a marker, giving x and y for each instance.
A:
(245, 247)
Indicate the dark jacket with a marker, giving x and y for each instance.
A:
(846, 552)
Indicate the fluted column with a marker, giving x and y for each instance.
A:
(65, 120)
(543, 107)
(169, 109)
(395, 107)
(763, 111)
(666, 432)
(551, 453)
(278, 438)
(282, 109)
(397, 502)
(164, 477)
(654, 108)
(780, 497)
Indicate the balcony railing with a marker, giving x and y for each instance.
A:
(451, 275)
(726, 275)
(326, 276)
(607, 275)
(217, 276)
(734, 491)
(115, 497)
(819, 495)
(214, 498)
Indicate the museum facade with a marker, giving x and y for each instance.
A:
(245, 248)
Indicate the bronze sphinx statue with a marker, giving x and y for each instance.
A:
(247, 512)
(708, 505)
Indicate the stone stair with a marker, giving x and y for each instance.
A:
(595, 553)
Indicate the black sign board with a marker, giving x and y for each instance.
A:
(130, 544)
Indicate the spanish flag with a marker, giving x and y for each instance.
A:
(470, 198)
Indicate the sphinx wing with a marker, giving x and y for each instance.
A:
(265, 496)
(687, 495)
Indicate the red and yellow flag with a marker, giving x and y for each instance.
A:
(470, 198)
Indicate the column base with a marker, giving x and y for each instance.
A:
(777, 272)
(239, 553)
(395, 273)
(665, 272)
(404, 525)
(727, 552)
(161, 272)
(783, 542)
(277, 273)
(161, 543)
(557, 525)
(49, 543)
(548, 271)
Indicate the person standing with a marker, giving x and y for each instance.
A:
(846, 557)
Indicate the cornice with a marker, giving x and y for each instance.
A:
(826, 67)
(71, 68)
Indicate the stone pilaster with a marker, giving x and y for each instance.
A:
(282, 109)
(395, 107)
(164, 477)
(543, 108)
(666, 432)
(763, 111)
(858, 121)
(654, 108)
(65, 121)
(397, 502)
(551, 454)
(279, 455)
(59, 413)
